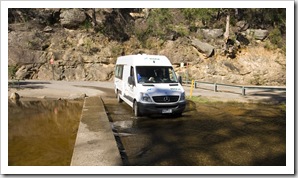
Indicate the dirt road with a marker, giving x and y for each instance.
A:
(57, 89)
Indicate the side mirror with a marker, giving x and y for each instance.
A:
(131, 80)
(180, 79)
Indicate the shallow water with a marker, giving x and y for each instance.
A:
(214, 134)
(207, 134)
(42, 132)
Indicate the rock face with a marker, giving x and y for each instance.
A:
(85, 43)
(252, 68)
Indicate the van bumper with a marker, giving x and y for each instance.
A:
(152, 108)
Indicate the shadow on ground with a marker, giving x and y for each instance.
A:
(26, 84)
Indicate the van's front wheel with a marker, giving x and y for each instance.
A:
(136, 109)
(118, 97)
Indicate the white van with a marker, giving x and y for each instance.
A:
(149, 85)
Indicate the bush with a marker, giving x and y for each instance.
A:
(275, 38)
(12, 71)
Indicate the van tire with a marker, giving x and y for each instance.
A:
(179, 114)
(118, 97)
(136, 110)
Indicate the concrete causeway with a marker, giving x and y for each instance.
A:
(95, 143)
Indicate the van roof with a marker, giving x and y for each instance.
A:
(144, 60)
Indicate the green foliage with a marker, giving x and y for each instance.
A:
(275, 37)
(12, 71)
(87, 25)
(266, 17)
(143, 34)
(181, 29)
(159, 22)
(195, 14)
(276, 40)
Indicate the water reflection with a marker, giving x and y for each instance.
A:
(42, 132)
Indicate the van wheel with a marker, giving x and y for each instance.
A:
(179, 114)
(118, 97)
(136, 109)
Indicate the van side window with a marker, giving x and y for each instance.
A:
(119, 71)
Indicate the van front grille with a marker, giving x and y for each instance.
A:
(165, 99)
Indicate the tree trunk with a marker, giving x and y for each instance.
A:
(94, 18)
(227, 32)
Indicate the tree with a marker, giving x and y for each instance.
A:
(203, 14)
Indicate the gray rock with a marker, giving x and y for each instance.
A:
(261, 34)
(205, 48)
(72, 18)
(212, 33)
(242, 25)
(257, 34)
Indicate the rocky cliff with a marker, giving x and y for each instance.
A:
(83, 44)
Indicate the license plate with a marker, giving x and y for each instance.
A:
(165, 111)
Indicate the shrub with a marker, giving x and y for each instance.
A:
(275, 38)
(12, 71)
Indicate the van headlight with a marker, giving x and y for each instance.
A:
(182, 97)
(145, 97)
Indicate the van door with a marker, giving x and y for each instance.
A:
(128, 88)
(118, 81)
(131, 85)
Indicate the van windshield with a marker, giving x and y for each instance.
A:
(156, 74)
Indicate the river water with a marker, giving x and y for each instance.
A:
(207, 134)
(42, 132)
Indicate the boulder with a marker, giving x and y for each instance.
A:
(242, 39)
(257, 34)
(14, 96)
(261, 34)
(205, 48)
(72, 18)
(242, 25)
(212, 33)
